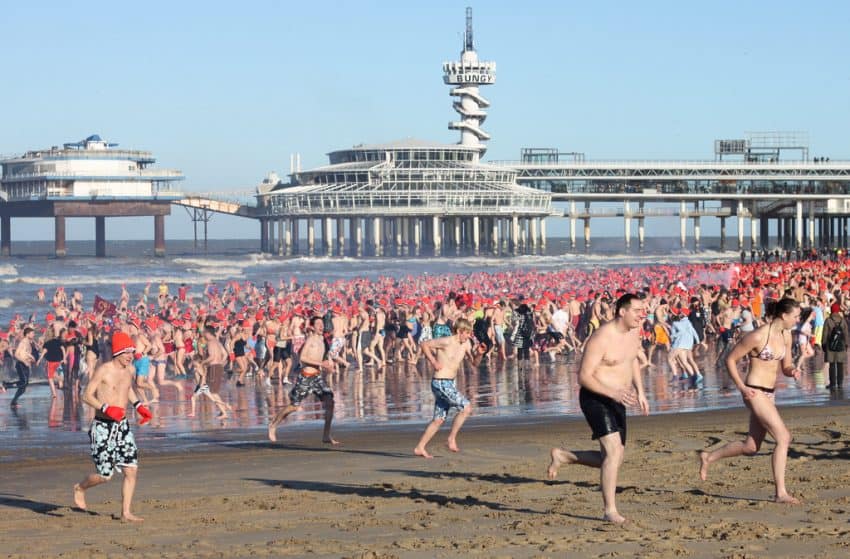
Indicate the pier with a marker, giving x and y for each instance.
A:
(86, 179)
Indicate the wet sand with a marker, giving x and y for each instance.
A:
(370, 498)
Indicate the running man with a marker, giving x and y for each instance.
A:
(608, 374)
(113, 446)
(211, 373)
(25, 357)
(310, 381)
(446, 355)
(769, 350)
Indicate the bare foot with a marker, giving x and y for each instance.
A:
(130, 517)
(614, 517)
(79, 497)
(786, 500)
(422, 452)
(559, 458)
(330, 441)
(452, 445)
(703, 467)
(272, 432)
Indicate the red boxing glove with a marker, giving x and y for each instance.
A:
(112, 412)
(143, 412)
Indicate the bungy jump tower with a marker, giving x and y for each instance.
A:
(409, 196)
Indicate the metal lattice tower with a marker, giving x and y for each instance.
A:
(467, 75)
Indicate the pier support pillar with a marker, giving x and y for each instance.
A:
(627, 224)
(722, 234)
(456, 235)
(5, 235)
(358, 236)
(340, 236)
(641, 232)
(436, 240)
(475, 233)
(417, 235)
(285, 230)
(494, 234)
(158, 235)
(296, 236)
(799, 230)
(543, 235)
(515, 234)
(587, 233)
(376, 230)
(398, 225)
(533, 222)
(683, 225)
(696, 232)
(764, 231)
(281, 236)
(264, 236)
(311, 236)
(740, 213)
(641, 229)
(100, 236)
(754, 232)
(572, 224)
(59, 237)
(523, 234)
(811, 226)
(327, 236)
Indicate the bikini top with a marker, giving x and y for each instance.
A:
(766, 354)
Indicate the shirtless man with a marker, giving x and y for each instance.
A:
(25, 357)
(499, 329)
(159, 360)
(211, 371)
(310, 381)
(446, 355)
(364, 335)
(608, 373)
(142, 363)
(113, 446)
(340, 330)
(377, 339)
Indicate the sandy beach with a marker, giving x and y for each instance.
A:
(371, 498)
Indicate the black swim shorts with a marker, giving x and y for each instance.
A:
(604, 415)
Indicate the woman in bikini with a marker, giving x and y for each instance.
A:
(769, 351)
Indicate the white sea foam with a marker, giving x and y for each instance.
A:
(5, 303)
(8, 270)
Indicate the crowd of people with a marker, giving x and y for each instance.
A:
(293, 333)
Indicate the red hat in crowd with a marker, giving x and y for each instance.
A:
(121, 343)
(835, 308)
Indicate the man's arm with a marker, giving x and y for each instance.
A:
(637, 380)
(91, 389)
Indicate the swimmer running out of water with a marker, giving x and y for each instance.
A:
(113, 446)
(769, 350)
(609, 374)
(446, 355)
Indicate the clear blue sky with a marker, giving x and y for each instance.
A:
(225, 91)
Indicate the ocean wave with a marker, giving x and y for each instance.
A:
(5, 303)
(75, 281)
(242, 262)
(8, 270)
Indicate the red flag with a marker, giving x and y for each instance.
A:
(104, 307)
